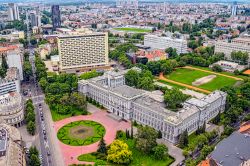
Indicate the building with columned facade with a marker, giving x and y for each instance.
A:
(148, 108)
(12, 109)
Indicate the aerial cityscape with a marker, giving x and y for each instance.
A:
(125, 82)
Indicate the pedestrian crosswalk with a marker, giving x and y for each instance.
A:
(38, 99)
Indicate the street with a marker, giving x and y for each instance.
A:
(44, 123)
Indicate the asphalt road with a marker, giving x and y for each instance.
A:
(49, 148)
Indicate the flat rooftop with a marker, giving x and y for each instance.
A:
(127, 91)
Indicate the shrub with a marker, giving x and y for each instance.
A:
(217, 68)
(120, 134)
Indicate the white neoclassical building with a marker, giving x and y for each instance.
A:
(12, 109)
(148, 108)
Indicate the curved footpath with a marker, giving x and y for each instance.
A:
(70, 153)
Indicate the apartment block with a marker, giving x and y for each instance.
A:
(11, 83)
(83, 51)
(162, 42)
(238, 44)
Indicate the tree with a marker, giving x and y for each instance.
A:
(119, 153)
(131, 78)
(159, 134)
(27, 70)
(145, 83)
(172, 52)
(132, 131)
(245, 90)
(174, 97)
(217, 68)
(34, 160)
(241, 57)
(202, 140)
(33, 150)
(43, 83)
(24, 42)
(146, 139)
(30, 116)
(206, 150)
(160, 151)
(31, 127)
(193, 44)
(217, 119)
(167, 67)
(2, 40)
(102, 147)
(183, 139)
(4, 64)
(154, 67)
(33, 41)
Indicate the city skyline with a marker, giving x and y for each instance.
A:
(113, 1)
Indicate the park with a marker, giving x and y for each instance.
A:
(81, 133)
(201, 79)
(136, 30)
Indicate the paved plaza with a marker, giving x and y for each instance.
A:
(70, 153)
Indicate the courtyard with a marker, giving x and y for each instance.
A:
(79, 130)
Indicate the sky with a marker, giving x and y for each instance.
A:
(63, 1)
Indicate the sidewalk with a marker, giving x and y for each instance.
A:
(173, 151)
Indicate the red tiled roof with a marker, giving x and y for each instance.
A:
(11, 47)
(245, 128)
(208, 162)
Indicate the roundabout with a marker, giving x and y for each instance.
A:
(81, 133)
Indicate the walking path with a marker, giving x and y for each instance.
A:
(161, 77)
(173, 151)
(70, 153)
(207, 71)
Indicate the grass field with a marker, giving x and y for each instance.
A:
(223, 72)
(90, 157)
(80, 133)
(56, 116)
(137, 30)
(187, 76)
(139, 159)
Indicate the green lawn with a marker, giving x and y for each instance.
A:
(87, 157)
(188, 76)
(171, 84)
(139, 159)
(56, 116)
(223, 72)
(137, 30)
(80, 133)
